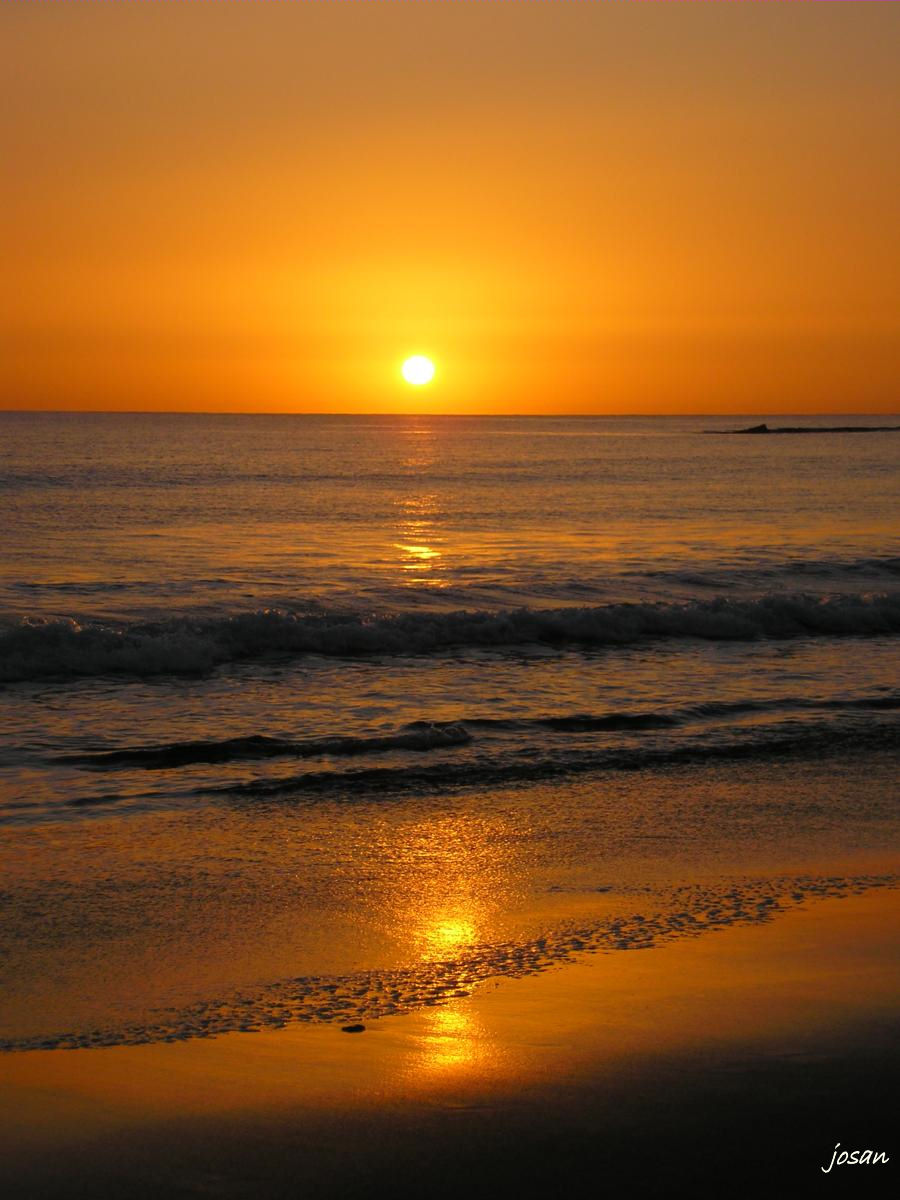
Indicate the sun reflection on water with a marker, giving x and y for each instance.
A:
(450, 875)
(419, 542)
(418, 539)
(449, 936)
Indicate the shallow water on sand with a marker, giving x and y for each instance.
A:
(258, 911)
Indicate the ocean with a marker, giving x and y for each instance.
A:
(332, 717)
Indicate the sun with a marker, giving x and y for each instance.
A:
(418, 370)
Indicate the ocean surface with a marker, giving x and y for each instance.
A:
(326, 718)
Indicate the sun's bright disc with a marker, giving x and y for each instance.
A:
(418, 370)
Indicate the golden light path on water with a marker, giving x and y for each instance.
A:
(418, 541)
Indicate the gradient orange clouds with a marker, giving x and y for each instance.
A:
(570, 207)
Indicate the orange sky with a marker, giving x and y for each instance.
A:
(571, 206)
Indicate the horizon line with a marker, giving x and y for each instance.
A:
(211, 412)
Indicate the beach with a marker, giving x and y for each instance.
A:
(356, 835)
(737, 1060)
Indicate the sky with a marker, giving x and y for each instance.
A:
(570, 206)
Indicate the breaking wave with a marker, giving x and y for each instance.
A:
(35, 649)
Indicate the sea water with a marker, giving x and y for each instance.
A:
(310, 717)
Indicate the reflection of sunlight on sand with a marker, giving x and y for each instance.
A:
(454, 1040)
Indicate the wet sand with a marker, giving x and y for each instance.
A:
(734, 1060)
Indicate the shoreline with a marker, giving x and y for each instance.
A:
(733, 1057)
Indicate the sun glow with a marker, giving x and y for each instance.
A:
(418, 370)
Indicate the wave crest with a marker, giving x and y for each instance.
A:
(187, 644)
